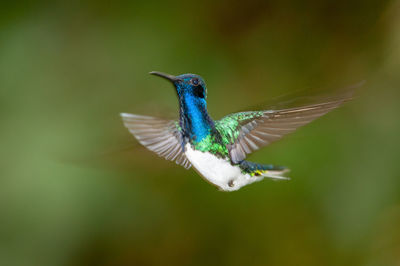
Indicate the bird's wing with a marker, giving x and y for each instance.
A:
(158, 135)
(246, 132)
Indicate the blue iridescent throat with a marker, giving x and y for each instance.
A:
(194, 119)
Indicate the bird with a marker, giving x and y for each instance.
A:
(217, 149)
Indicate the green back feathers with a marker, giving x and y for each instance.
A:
(228, 129)
(229, 126)
(212, 144)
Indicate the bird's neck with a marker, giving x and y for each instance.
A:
(194, 118)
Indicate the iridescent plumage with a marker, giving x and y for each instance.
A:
(218, 149)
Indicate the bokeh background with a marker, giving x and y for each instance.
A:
(75, 189)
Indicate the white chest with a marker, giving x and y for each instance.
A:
(218, 171)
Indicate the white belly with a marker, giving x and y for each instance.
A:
(219, 171)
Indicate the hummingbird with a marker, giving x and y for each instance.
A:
(217, 149)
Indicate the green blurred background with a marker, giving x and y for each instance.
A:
(75, 189)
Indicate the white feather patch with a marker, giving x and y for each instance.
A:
(219, 171)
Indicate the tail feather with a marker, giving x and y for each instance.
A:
(266, 170)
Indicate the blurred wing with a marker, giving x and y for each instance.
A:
(158, 135)
(258, 129)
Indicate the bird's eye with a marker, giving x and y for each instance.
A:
(195, 81)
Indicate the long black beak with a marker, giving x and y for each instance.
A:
(166, 76)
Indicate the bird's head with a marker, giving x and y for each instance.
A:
(187, 85)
